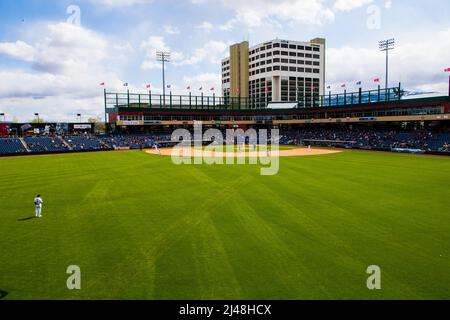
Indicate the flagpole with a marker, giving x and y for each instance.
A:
(106, 107)
(448, 85)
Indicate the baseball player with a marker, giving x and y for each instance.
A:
(38, 206)
(157, 149)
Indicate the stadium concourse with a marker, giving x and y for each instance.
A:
(365, 138)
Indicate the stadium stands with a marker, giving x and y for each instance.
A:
(45, 144)
(358, 138)
(368, 139)
(85, 142)
(11, 146)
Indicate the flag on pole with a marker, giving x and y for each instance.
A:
(329, 87)
(212, 89)
(343, 85)
(200, 89)
(102, 84)
(376, 80)
(447, 70)
(148, 85)
(125, 84)
(169, 86)
(359, 83)
(238, 90)
(188, 88)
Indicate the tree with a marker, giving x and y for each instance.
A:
(94, 120)
(35, 121)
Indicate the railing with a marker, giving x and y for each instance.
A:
(202, 102)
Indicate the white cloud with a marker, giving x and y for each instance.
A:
(120, 3)
(348, 5)
(68, 63)
(212, 52)
(171, 29)
(205, 80)
(209, 27)
(255, 13)
(412, 63)
(206, 26)
(18, 50)
(151, 46)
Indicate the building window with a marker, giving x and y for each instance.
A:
(276, 60)
(300, 48)
(276, 45)
(292, 54)
(301, 69)
(308, 48)
(284, 61)
(276, 68)
(302, 55)
(292, 69)
(284, 68)
(284, 45)
(284, 53)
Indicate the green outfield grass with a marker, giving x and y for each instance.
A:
(142, 228)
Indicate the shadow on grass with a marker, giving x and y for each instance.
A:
(26, 219)
(3, 294)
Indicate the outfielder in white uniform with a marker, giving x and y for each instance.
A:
(38, 206)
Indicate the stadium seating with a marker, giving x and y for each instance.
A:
(45, 144)
(358, 138)
(134, 141)
(368, 139)
(11, 146)
(84, 142)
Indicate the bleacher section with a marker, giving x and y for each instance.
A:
(368, 139)
(85, 143)
(358, 138)
(11, 146)
(134, 141)
(45, 144)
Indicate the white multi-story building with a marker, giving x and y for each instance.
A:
(278, 70)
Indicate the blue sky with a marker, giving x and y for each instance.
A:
(52, 62)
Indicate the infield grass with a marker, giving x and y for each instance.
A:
(140, 227)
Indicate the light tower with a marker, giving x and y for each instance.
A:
(387, 45)
(163, 57)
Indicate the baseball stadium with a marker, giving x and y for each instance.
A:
(224, 159)
(363, 181)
